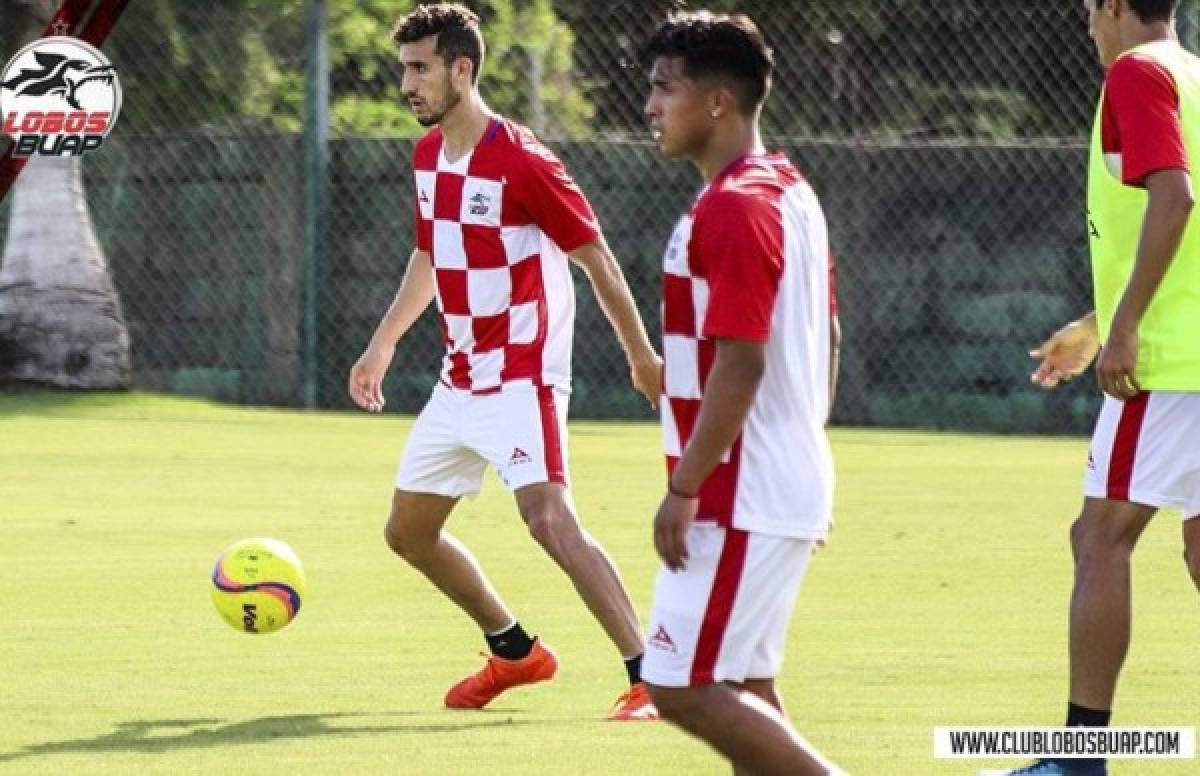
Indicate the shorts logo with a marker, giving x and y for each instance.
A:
(662, 640)
(59, 96)
(519, 456)
(1091, 464)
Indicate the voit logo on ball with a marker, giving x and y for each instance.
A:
(59, 96)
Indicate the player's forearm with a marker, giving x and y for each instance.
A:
(415, 294)
(835, 357)
(1166, 218)
(615, 298)
(728, 395)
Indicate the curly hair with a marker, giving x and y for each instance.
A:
(456, 28)
(718, 47)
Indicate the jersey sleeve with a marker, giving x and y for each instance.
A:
(738, 239)
(1144, 106)
(552, 199)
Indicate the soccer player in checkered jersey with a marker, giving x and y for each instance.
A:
(1145, 251)
(497, 217)
(749, 337)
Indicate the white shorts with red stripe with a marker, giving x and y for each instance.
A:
(520, 430)
(724, 617)
(1147, 451)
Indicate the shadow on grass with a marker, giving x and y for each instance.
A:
(165, 735)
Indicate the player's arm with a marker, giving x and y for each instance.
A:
(1066, 353)
(1170, 205)
(729, 393)
(616, 300)
(835, 356)
(415, 293)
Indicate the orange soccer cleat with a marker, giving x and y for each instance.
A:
(497, 675)
(634, 704)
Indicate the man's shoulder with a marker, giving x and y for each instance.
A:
(517, 141)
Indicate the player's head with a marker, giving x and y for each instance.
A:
(705, 69)
(441, 50)
(1105, 19)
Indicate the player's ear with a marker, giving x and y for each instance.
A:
(721, 102)
(464, 70)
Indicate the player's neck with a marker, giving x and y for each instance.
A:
(726, 147)
(1137, 34)
(464, 126)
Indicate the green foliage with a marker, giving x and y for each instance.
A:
(242, 62)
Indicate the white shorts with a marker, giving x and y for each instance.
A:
(521, 431)
(724, 617)
(1147, 450)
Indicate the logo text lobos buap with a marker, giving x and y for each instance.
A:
(59, 96)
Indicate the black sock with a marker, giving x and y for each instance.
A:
(512, 644)
(633, 667)
(1080, 716)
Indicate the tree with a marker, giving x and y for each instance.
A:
(60, 318)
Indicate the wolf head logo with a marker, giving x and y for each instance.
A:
(58, 75)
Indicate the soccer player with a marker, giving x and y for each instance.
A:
(497, 217)
(748, 339)
(1146, 268)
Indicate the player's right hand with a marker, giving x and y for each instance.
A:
(366, 378)
(1066, 354)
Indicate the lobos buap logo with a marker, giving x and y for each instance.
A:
(59, 96)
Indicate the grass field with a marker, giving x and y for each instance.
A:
(940, 601)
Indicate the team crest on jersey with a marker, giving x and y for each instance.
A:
(480, 204)
(59, 96)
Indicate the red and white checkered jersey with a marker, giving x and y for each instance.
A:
(750, 261)
(498, 224)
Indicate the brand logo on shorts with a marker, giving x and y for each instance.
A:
(519, 456)
(662, 640)
(1091, 461)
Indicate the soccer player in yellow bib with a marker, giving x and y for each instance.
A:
(1146, 328)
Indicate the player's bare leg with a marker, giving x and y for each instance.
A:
(414, 532)
(739, 724)
(550, 516)
(766, 690)
(1191, 547)
(1102, 540)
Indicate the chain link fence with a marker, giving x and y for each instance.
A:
(947, 141)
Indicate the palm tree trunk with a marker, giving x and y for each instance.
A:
(60, 318)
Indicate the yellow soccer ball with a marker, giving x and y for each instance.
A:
(258, 585)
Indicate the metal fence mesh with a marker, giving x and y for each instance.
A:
(946, 141)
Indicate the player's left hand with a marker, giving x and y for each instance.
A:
(1115, 371)
(646, 372)
(671, 524)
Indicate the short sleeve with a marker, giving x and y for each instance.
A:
(738, 240)
(1144, 111)
(553, 200)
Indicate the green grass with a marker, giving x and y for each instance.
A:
(940, 601)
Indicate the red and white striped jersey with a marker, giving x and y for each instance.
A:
(498, 224)
(750, 261)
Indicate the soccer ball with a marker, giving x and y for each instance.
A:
(258, 585)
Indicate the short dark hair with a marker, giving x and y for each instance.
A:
(1149, 10)
(456, 28)
(717, 46)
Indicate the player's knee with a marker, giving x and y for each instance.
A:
(679, 705)
(550, 526)
(403, 541)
